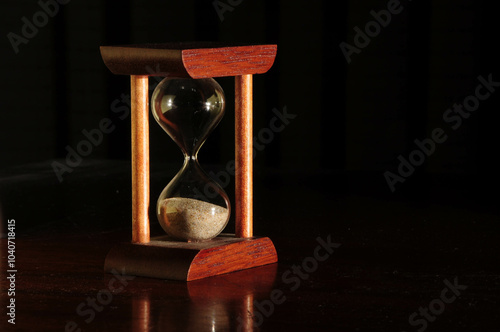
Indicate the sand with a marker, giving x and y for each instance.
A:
(191, 219)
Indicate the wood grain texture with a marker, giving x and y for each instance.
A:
(190, 261)
(194, 59)
(140, 158)
(244, 156)
(228, 61)
(231, 257)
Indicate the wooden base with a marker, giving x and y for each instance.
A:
(165, 258)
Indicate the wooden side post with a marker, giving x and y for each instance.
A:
(244, 156)
(140, 158)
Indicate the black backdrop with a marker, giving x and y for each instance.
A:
(351, 124)
(352, 119)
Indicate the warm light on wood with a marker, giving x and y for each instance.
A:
(140, 158)
(175, 260)
(244, 156)
(165, 257)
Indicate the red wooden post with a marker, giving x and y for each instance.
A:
(140, 158)
(244, 156)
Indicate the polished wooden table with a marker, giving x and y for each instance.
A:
(352, 257)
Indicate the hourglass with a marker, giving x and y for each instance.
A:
(192, 209)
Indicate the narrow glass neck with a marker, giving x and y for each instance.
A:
(191, 166)
(190, 158)
(190, 153)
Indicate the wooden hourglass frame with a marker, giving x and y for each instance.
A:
(162, 257)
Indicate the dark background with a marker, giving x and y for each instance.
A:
(352, 120)
(322, 176)
(356, 117)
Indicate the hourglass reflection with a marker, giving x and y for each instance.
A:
(192, 207)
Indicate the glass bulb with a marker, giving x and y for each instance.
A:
(192, 207)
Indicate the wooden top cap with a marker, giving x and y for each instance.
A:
(194, 59)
